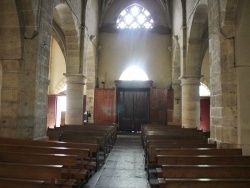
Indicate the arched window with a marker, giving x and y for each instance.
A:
(204, 90)
(133, 73)
(135, 17)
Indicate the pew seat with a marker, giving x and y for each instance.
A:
(203, 183)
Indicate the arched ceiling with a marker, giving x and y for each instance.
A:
(159, 9)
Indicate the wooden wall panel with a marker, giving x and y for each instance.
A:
(158, 106)
(205, 114)
(105, 106)
(51, 111)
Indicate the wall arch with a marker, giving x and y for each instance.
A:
(198, 33)
(66, 22)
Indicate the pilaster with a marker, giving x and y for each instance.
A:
(190, 102)
(74, 105)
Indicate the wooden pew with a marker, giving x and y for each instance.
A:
(203, 183)
(72, 136)
(80, 153)
(35, 172)
(169, 130)
(21, 183)
(111, 129)
(108, 131)
(69, 162)
(153, 148)
(202, 160)
(93, 148)
(204, 171)
(197, 151)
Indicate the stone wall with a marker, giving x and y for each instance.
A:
(223, 112)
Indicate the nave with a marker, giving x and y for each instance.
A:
(124, 167)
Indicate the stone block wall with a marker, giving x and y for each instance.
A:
(223, 107)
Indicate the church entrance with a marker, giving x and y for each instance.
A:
(132, 108)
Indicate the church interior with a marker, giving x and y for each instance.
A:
(124, 93)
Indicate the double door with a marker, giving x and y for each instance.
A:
(132, 109)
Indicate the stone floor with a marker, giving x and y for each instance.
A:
(124, 167)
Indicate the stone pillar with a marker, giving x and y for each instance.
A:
(190, 102)
(177, 103)
(74, 105)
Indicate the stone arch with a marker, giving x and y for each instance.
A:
(90, 79)
(228, 9)
(66, 22)
(57, 67)
(58, 35)
(198, 36)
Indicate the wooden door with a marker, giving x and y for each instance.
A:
(132, 109)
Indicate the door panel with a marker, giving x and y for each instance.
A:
(125, 106)
(133, 109)
(141, 109)
(158, 106)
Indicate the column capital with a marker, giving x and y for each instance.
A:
(71, 74)
(75, 78)
(190, 76)
(190, 79)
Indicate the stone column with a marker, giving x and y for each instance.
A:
(190, 102)
(177, 103)
(74, 105)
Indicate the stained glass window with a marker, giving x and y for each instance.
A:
(135, 17)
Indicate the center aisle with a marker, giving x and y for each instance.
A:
(124, 167)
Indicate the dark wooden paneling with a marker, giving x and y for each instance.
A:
(51, 111)
(104, 111)
(205, 114)
(132, 108)
(158, 106)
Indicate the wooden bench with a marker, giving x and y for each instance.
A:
(71, 136)
(69, 162)
(203, 183)
(204, 171)
(35, 172)
(197, 151)
(93, 148)
(153, 148)
(80, 153)
(202, 160)
(25, 183)
(109, 132)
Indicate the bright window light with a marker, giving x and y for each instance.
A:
(133, 73)
(61, 105)
(134, 17)
(204, 91)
